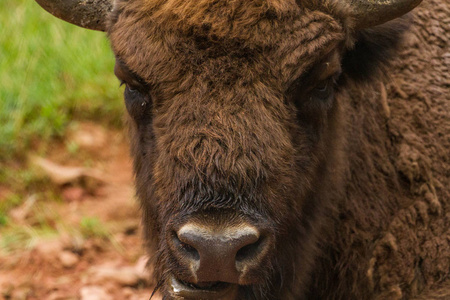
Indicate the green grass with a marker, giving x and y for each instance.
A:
(93, 227)
(25, 232)
(19, 237)
(44, 223)
(50, 72)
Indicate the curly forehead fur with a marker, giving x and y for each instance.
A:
(288, 35)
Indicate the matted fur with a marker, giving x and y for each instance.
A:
(357, 211)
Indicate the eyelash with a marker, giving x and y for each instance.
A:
(328, 85)
(127, 86)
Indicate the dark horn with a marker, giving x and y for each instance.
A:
(370, 13)
(91, 14)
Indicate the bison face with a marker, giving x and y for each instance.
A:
(232, 125)
(235, 119)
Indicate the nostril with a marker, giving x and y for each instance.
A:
(250, 251)
(219, 254)
(185, 248)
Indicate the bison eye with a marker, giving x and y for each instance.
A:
(134, 85)
(323, 91)
(130, 88)
(137, 103)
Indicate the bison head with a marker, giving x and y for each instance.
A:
(235, 117)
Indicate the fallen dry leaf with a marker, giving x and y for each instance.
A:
(61, 175)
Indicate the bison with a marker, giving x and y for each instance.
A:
(286, 149)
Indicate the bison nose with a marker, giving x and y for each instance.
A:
(220, 254)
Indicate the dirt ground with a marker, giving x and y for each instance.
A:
(70, 266)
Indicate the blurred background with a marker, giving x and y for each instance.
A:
(69, 224)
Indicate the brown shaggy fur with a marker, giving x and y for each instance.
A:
(356, 190)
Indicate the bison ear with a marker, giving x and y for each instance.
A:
(88, 14)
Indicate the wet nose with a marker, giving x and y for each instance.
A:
(220, 254)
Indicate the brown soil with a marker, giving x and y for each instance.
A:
(72, 266)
